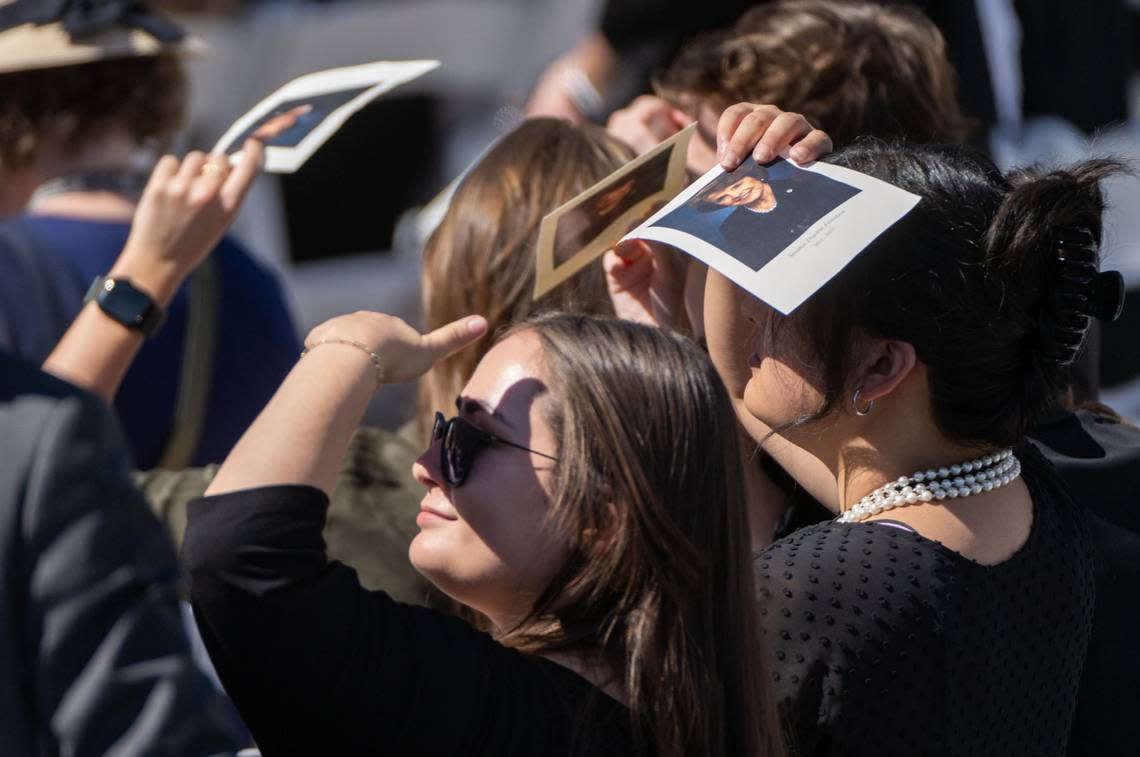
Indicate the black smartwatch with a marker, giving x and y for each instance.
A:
(120, 300)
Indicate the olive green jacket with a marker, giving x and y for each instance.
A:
(371, 519)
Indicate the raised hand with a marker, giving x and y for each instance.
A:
(186, 208)
(646, 281)
(301, 435)
(404, 354)
(765, 131)
(647, 122)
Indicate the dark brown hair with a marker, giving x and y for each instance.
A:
(481, 258)
(77, 105)
(972, 277)
(852, 69)
(659, 582)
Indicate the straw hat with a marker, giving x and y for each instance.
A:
(38, 34)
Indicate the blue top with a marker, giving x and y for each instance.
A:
(256, 343)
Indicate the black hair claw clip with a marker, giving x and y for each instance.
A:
(1105, 299)
(1081, 293)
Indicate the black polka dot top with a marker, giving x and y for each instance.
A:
(886, 643)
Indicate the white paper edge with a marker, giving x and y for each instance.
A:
(387, 74)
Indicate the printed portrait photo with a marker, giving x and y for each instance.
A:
(756, 211)
(582, 224)
(289, 122)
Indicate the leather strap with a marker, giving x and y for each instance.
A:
(197, 369)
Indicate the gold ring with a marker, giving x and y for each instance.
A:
(209, 169)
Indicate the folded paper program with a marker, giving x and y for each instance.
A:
(779, 231)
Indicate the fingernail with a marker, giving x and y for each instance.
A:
(720, 153)
(476, 325)
(763, 154)
(797, 154)
(730, 160)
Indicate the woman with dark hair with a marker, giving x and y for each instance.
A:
(953, 593)
(852, 69)
(607, 549)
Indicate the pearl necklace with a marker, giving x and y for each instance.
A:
(977, 476)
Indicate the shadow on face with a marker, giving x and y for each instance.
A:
(763, 366)
(488, 542)
(783, 386)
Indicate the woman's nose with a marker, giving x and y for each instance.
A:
(426, 468)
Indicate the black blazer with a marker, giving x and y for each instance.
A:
(93, 654)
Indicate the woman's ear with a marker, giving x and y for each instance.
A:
(888, 365)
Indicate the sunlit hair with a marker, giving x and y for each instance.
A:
(659, 584)
(852, 69)
(481, 258)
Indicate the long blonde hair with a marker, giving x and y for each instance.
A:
(481, 258)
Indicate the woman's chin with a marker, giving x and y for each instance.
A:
(427, 552)
(436, 565)
(754, 400)
(430, 554)
(433, 554)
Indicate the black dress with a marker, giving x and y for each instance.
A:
(317, 665)
(887, 643)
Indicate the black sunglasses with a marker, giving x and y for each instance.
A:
(461, 444)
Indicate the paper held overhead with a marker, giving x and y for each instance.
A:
(579, 231)
(779, 231)
(298, 118)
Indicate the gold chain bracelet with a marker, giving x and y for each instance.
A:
(358, 345)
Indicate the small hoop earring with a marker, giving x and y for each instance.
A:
(855, 404)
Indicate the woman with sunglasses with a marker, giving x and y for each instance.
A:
(607, 550)
(480, 259)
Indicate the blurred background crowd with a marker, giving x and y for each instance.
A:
(1042, 82)
(1046, 81)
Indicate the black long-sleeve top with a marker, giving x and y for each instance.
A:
(319, 665)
